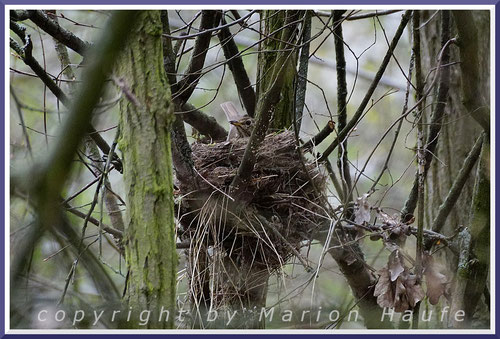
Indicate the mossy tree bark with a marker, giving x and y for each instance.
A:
(146, 115)
(279, 26)
(459, 131)
(474, 243)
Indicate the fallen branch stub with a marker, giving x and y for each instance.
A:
(281, 210)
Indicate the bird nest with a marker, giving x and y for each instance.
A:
(281, 206)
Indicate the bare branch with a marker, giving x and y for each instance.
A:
(359, 112)
(436, 118)
(111, 230)
(322, 135)
(458, 184)
(183, 89)
(181, 149)
(343, 160)
(205, 124)
(92, 150)
(25, 53)
(57, 32)
(237, 68)
(266, 105)
(47, 179)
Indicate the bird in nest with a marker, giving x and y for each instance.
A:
(241, 125)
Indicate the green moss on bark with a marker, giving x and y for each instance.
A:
(145, 144)
(274, 59)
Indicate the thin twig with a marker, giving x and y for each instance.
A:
(204, 30)
(57, 32)
(362, 16)
(436, 119)
(185, 87)
(21, 120)
(460, 180)
(354, 120)
(25, 53)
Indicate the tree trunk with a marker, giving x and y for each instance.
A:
(459, 132)
(237, 264)
(146, 115)
(244, 277)
(270, 62)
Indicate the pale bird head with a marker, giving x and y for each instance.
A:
(244, 126)
(241, 125)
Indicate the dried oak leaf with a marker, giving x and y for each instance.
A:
(383, 290)
(362, 213)
(397, 288)
(408, 292)
(390, 221)
(395, 265)
(398, 231)
(436, 282)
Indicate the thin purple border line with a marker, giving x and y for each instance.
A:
(218, 2)
(250, 2)
(2, 184)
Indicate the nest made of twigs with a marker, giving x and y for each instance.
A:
(282, 198)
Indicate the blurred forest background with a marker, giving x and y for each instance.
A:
(423, 107)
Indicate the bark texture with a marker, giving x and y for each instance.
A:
(279, 26)
(460, 129)
(146, 114)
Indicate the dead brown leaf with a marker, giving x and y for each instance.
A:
(383, 289)
(397, 230)
(362, 213)
(395, 265)
(397, 288)
(436, 282)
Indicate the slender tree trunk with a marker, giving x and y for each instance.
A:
(459, 132)
(474, 243)
(271, 62)
(146, 115)
(240, 280)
